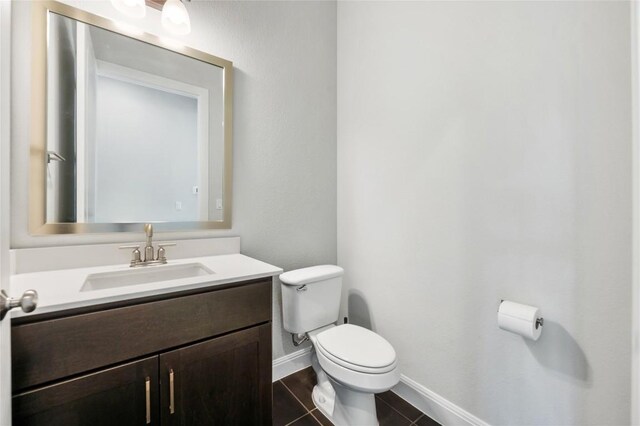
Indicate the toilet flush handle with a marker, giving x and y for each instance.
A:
(303, 287)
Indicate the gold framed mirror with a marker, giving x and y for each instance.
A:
(126, 129)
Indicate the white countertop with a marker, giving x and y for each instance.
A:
(60, 289)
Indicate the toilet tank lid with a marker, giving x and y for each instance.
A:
(311, 274)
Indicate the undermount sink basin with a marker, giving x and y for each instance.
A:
(143, 275)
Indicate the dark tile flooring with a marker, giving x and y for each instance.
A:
(292, 405)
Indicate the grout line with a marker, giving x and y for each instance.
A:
(393, 408)
(415, 422)
(317, 419)
(314, 417)
(422, 414)
(296, 397)
(295, 420)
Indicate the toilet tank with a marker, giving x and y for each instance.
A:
(311, 297)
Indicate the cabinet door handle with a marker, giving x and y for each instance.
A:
(172, 406)
(147, 389)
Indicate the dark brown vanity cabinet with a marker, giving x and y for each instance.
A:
(124, 395)
(196, 358)
(232, 393)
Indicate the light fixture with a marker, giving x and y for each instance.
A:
(132, 8)
(175, 18)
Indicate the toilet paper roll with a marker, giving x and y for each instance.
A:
(519, 319)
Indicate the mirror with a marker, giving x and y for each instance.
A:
(127, 130)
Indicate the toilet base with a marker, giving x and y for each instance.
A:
(343, 406)
(323, 401)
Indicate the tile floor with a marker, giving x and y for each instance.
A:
(292, 405)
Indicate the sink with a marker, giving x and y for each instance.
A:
(143, 275)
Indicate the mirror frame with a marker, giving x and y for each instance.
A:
(38, 146)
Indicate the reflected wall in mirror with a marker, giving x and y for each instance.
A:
(132, 132)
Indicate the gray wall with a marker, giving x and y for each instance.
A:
(284, 194)
(484, 152)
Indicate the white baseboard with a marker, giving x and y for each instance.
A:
(435, 406)
(291, 363)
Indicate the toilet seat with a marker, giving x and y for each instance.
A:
(357, 349)
(353, 374)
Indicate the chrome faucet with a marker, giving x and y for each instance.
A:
(150, 258)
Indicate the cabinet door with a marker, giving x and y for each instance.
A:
(222, 381)
(124, 395)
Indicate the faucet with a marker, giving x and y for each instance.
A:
(148, 249)
(150, 258)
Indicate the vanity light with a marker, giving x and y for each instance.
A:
(131, 8)
(175, 17)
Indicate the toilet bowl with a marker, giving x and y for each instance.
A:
(351, 362)
(357, 363)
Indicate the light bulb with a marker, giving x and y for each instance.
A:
(131, 8)
(175, 17)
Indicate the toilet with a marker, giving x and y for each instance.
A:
(351, 363)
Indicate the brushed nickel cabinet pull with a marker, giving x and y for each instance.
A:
(172, 407)
(147, 387)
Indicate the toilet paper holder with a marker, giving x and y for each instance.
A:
(539, 321)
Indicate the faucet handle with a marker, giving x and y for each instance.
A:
(135, 255)
(162, 252)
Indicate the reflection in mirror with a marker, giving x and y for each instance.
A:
(134, 132)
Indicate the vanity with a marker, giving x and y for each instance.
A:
(141, 343)
(186, 351)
